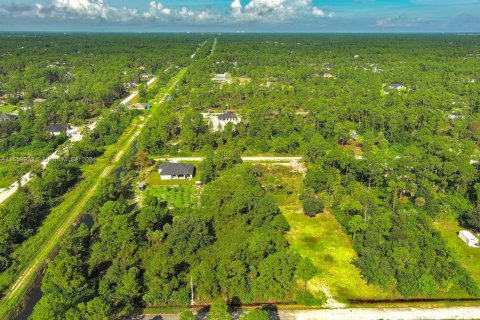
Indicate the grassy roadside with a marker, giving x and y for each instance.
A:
(57, 224)
(37, 250)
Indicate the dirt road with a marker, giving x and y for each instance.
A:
(245, 159)
(361, 314)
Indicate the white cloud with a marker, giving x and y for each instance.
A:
(318, 12)
(264, 11)
(274, 10)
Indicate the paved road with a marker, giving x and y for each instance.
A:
(245, 159)
(15, 292)
(361, 314)
(10, 191)
(135, 93)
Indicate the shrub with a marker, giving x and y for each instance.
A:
(312, 205)
(305, 298)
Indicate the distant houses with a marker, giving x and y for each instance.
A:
(141, 106)
(176, 171)
(57, 129)
(221, 78)
(146, 76)
(394, 86)
(27, 107)
(217, 121)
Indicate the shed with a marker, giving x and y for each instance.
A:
(468, 238)
(7, 117)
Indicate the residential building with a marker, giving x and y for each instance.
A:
(176, 171)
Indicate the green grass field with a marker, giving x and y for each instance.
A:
(7, 109)
(320, 238)
(182, 196)
(468, 257)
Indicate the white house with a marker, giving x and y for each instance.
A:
(217, 121)
(221, 78)
(394, 86)
(468, 238)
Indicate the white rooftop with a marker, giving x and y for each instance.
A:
(467, 234)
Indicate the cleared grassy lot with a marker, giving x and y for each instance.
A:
(182, 196)
(468, 257)
(7, 108)
(320, 238)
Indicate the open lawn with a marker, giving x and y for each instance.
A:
(7, 109)
(320, 238)
(468, 257)
(182, 196)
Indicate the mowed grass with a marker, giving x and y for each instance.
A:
(467, 256)
(7, 108)
(180, 196)
(320, 238)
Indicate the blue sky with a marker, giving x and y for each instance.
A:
(241, 15)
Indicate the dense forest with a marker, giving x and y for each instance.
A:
(387, 126)
(380, 157)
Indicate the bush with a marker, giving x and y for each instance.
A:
(256, 314)
(187, 315)
(305, 298)
(312, 205)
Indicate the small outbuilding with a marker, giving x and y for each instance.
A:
(57, 128)
(221, 78)
(468, 238)
(176, 171)
(7, 117)
(142, 186)
(138, 106)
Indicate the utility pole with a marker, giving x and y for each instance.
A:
(192, 302)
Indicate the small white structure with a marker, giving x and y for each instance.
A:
(395, 86)
(221, 78)
(217, 121)
(468, 238)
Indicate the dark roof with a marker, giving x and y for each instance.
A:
(57, 127)
(227, 115)
(176, 169)
(5, 116)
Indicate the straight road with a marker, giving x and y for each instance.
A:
(12, 297)
(6, 193)
(245, 159)
(135, 93)
(466, 313)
